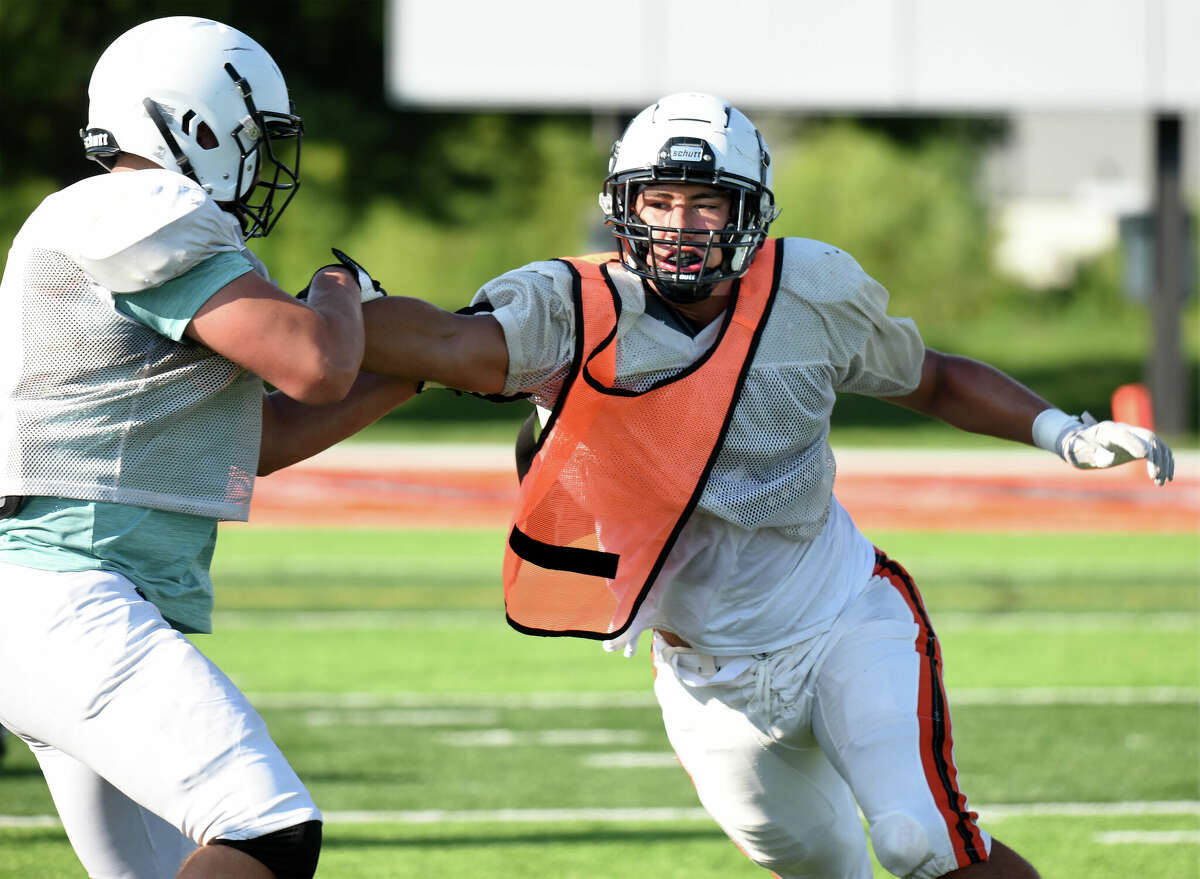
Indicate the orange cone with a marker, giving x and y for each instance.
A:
(1132, 405)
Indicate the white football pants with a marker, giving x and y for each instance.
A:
(147, 747)
(782, 746)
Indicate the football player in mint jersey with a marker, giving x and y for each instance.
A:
(136, 333)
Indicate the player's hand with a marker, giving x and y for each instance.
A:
(367, 285)
(1092, 444)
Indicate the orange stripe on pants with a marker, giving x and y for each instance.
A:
(937, 744)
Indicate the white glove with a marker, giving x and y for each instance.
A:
(1090, 444)
(368, 287)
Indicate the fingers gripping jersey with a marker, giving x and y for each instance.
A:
(95, 405)
(828, 332)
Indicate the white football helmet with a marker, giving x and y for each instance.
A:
(690, 138)
(202, 98)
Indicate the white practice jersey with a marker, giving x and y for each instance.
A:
(95, 405)
(768, 557)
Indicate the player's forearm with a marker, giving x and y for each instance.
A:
(294, 431)
(975, 397)
(338, 332)
(413, 339)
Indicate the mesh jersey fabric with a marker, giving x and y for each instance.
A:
(828, 332)
(95, 405)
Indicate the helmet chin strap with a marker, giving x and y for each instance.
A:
(684, 294)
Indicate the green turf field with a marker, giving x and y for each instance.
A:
(441, 743)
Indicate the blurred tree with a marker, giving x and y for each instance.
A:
(436, 203)
(332, 55)
(906, 207)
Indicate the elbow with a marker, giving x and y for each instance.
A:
(930, 396)
(322, 382)
(266, 467)
(274, 458)
(324, 360)
(934, 383)
(319, 374)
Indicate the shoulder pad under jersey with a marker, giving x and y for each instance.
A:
(820, 272)
(136, 230)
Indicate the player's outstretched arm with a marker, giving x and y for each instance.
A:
(979, 398)
(293, 431)
(407, 341)
(975, 397)
(309, 350)
(413, 339)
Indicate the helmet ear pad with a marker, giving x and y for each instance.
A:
(205, 139)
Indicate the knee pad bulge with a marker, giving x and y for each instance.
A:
(290, 853)
(900, 843)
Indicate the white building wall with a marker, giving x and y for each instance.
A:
(1062, 182)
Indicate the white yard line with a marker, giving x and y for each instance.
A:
(1086, 810)
(552, 816)
(506, 738)
(27, 821)
(403, 717)
(357, 620)
(1059, 621)
(1050, 621)
(1148, 837)
(518, 816)
(632, 760)
(332, 701)
(1075, 696)
(342, 703)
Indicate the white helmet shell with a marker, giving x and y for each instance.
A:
(691, 138)
(161, 87)
(659, 135)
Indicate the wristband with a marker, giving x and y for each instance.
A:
(1049, 426)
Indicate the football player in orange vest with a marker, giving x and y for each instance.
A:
(682, 485)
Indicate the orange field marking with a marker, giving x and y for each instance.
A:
(881, 489)
(426, 498)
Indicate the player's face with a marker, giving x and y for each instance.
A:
(693, 210)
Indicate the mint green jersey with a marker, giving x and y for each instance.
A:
(131, 439)
(96, 401)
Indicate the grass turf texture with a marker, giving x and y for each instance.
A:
(383, 665)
